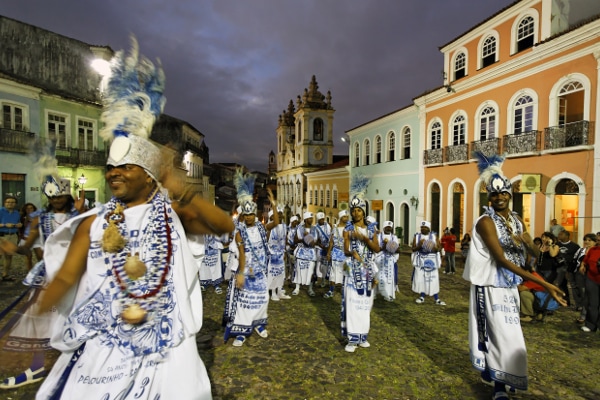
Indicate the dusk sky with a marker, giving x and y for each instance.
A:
(232, 66)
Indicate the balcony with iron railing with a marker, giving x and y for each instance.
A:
(488, 147)
(15, 141)
(433, 156)
(78, 157)
(568, 135)
(457, 153)
(520, 143)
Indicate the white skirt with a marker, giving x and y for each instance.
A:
(105, 372)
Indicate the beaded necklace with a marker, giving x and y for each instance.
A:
(141, 280)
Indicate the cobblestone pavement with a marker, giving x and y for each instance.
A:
(417, 351)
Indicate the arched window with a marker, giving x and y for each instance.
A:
(335, 197)
(367, 153)
(328, 198)
(436, 135)
(570, 102)
(377, 149)
(487, 124)
(391, 146)
(458, 130)
(310, 198)
(406, 143)
(318, 129)
(488, 52)
(525, 33)
(523, 115)
(460, 65)
(356, 155)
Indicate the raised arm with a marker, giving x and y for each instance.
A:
(487, 230)
(72, 268)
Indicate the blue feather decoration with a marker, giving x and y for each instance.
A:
(490, 167)
(244, 184)
(358, 185)
(133, 96)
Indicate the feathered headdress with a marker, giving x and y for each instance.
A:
(43, 152)
(358, 189)
(244, 184)
(133, 99)
(490, 171)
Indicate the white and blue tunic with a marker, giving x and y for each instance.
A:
(496, 340)
(426, 263)
(386, 263)
(246, 308)
(277, 243)
(357, 294)
(306, 255)
(105, 357)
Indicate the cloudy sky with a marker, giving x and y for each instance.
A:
(232, 66)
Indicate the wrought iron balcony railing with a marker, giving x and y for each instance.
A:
(457, 153)
(16, 141)
(522, 142)
(77, 157)
(488, 147)
(567, 135)
(433, 156)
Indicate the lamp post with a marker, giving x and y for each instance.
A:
(82, 180)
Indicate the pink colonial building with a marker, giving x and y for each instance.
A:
(523, 83)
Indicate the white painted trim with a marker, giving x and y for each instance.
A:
(531, 12)
(477, 119)
(510, 120)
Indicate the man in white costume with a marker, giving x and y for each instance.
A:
(122, 275)
(277, 235)
(494, 267)
(426, 260)
(323, 237)
(335, 254)
(387, 260)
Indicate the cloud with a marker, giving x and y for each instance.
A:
(232, 66)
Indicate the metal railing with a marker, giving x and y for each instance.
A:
(522, 142)
(433, 156)
(77, 157)
(457, 153)
(488, 147)
(567, 135)
(17, 141)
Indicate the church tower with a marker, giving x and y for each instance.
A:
(304, 144)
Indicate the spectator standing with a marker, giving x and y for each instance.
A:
(578, 290)
(555, 227)
(465, 244)
(448, 241)
(547, 263)
(28, 213)
(591, 269)
(10, 223)
(565, 260)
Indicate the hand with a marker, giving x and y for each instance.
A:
(558, 295)
(240, 279)
(79, 202)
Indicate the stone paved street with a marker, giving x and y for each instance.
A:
(417, 352)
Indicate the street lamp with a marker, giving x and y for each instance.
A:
(82, 180)
(414, 201)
